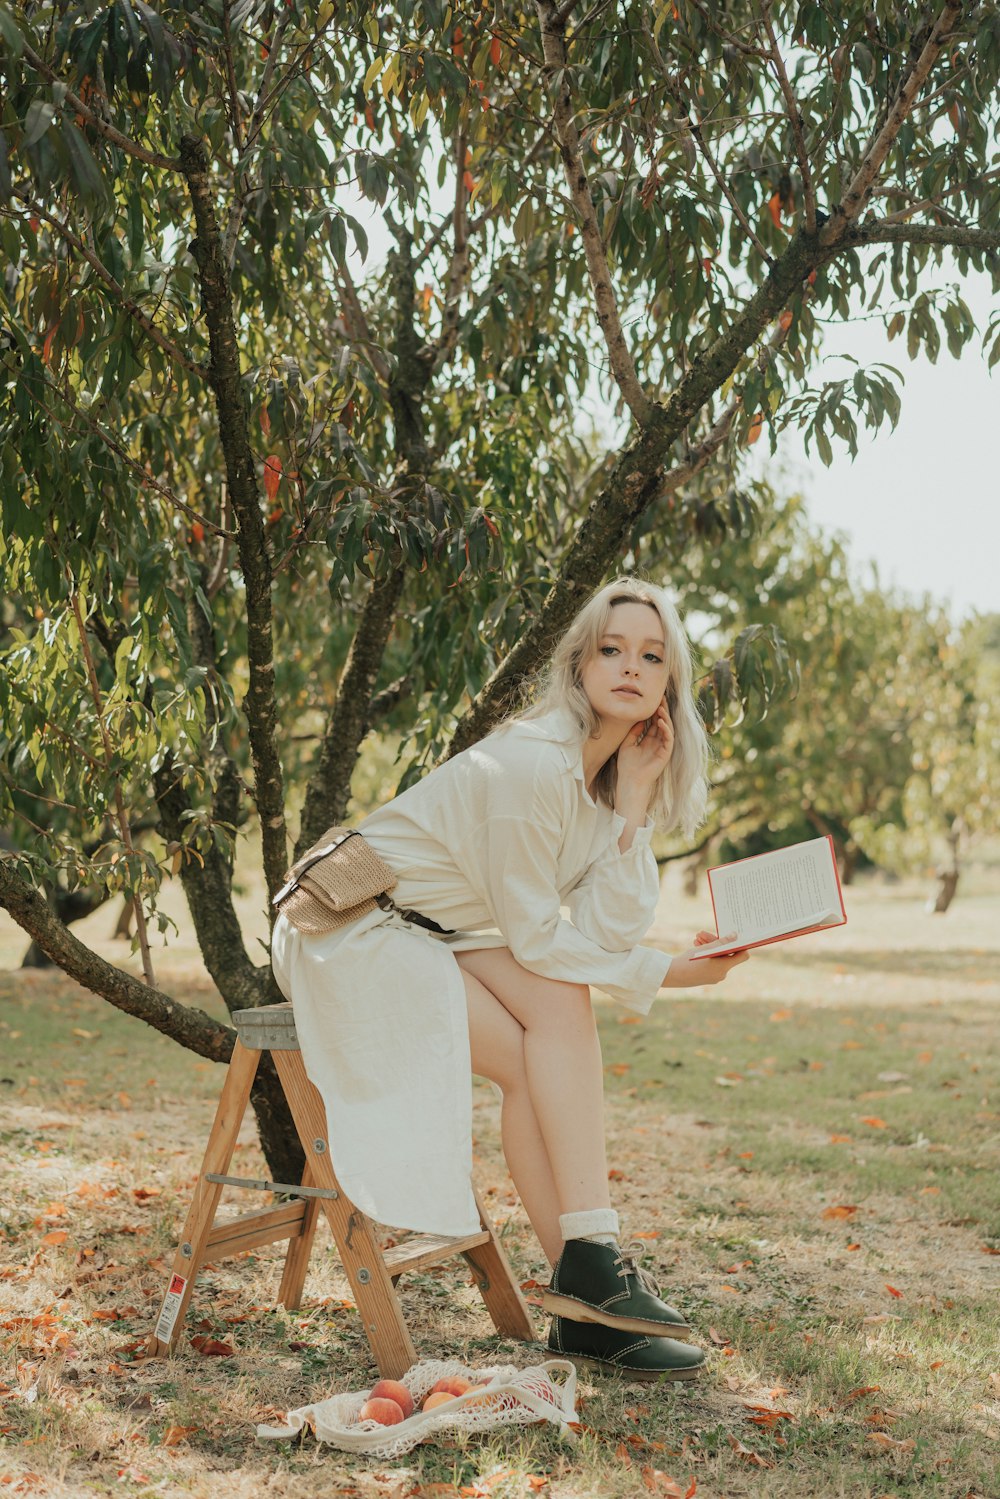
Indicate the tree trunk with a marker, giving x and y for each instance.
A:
(947, 877)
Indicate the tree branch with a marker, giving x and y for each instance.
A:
(358, 329)
(329, 786)
(244, 186)
(122, 815)
(553, 26)
(458, 268)
(673, 88)
(859, 189)
(631, 487)
(192, 1028)
(794, 120)
(146, 479)
(330, 783)
(123, 142)
(920, 205)
(890, 232)
(118, 292)
(255, 563)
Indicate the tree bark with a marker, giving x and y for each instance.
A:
(329, 788)
(251, 541)
(193, 1028)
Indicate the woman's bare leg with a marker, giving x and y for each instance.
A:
(497, 1042)
(563, 1070)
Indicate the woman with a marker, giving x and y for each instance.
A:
(477, 970)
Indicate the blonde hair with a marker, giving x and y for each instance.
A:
(679, 795)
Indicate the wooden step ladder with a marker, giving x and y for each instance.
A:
(371, 1271)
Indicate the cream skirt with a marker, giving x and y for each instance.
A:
(381, 1017)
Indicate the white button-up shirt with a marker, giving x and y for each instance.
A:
(491, 845)
(504, 835)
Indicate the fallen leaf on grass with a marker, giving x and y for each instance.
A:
(212, 1347)
(536, 1481)
(174, 1435)
(143, 1194)
(878, 1317)
(893, 1077)
(727, 1082)
(748, 1455)
(85, 1035)
(891, 1444)
(718, 1338)
(874, 1122)
(620, 1068)
(881, 1418)
(840, 1139)
(614, 1175)
(658, 1482)
(861, 1392)
(893, 1292)
(765, 1416)
(842, 1210)
(988, 1249)
(57, 1236)
(852, 1246)
(777, 1015)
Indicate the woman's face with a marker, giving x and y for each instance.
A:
(626, 679)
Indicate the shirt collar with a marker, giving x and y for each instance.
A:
(560, 726)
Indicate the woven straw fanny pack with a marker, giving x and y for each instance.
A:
(337, 880)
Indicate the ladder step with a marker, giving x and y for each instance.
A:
(428, 1249)
(256, 1184)
(250, 1230)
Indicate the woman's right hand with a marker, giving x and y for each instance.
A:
(686, 973)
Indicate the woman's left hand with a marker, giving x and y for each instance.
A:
(645, 751)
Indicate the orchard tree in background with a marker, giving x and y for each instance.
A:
(253, 480)
(890, 744)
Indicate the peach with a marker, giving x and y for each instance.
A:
(393, 1389)
(385, 1412)
(453, 1384)
(436, 1398)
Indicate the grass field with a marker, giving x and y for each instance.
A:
(810, 1154)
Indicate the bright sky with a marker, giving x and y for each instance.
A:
(922, 502)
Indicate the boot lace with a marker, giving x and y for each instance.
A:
(627, 1262)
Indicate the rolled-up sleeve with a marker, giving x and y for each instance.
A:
(512, 860)
(615, 902)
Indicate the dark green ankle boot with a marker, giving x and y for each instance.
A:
(604, 1284)
(635, 1358)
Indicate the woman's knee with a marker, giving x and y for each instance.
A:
(536, 1002)
(496, 1039)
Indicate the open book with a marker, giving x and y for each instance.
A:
(769, 897)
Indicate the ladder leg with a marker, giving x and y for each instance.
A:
(201, 1214)
(493, 1275)
(299, 1249)
(371, 1284)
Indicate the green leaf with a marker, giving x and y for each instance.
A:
(38, 119)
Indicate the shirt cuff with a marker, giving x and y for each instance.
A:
(640, 838)
(648, 970)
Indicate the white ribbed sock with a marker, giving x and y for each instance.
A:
(598, 1225)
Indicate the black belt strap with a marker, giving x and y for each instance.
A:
(388, 904)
